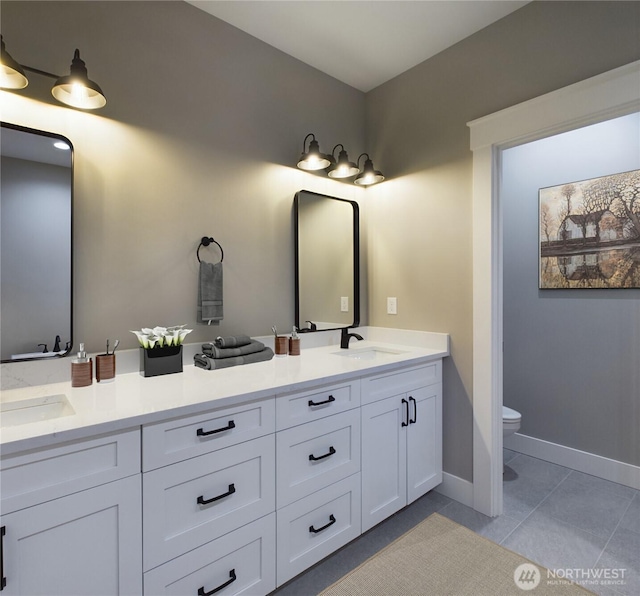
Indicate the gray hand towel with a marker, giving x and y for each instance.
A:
(212, 351)
(210, 293)
(203, 361)
(233, 341)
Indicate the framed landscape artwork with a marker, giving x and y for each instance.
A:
(590, 233)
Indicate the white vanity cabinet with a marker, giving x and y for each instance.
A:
(71, 518)
(401, 439)
(209, 502)
(227, 499)
(318, 474)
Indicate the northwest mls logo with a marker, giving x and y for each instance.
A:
(526, 576)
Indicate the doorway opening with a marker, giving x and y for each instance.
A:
(610, 95)
(571, 287)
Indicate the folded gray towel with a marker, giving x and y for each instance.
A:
(214, 352)
(210, 293)
(203, 361)
(233, 341)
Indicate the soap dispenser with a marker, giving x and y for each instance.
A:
(294, 343)
(81, 369)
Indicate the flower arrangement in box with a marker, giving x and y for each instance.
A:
(161, 349)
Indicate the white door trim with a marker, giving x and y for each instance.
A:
(609, 95)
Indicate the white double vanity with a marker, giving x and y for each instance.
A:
(229, 481)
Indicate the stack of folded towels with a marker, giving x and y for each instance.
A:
(232, 351)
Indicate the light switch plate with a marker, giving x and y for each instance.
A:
(344, 304)
(392, 306)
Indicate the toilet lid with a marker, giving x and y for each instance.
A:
(509, 414)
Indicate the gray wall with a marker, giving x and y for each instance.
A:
(420, 221)
(165, 164)
(571, 356)
(200, 136)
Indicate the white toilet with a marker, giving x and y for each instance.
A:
(510, 421)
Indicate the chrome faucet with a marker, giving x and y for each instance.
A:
(345, 338)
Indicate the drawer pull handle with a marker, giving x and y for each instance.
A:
(406, 411)
(205, 433)
(232, 575)
(3, 580)
(321, 403)
(415, 410)
(332, 520)
(328, 454)
(203, 501)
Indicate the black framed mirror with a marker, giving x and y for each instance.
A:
(327, 262)
(36, 269)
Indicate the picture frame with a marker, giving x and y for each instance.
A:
(589, 233)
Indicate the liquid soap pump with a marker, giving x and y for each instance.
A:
(81, 369)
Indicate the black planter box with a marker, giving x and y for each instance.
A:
(160, 361)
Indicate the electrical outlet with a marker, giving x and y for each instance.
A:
(344, 304)
(392, 306)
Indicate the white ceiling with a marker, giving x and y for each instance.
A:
(363, 42)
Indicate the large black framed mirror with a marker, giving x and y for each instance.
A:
(327, 262)
(36, 219)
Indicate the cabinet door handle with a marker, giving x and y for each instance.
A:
(405, 421)
(205, 433)
(330, 452)
(3, 581)
(232, 576)
(415, 410)
(203, 501)
(332, 520)
(321, 403)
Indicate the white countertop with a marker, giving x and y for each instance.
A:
(131, 399)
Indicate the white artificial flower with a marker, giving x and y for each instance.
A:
(161, 336)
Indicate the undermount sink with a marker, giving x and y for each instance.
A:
(34, 410)
(373, 353)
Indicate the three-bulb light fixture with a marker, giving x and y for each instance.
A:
(75, 89)
(341, 168)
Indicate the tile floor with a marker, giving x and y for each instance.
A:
(554, 516)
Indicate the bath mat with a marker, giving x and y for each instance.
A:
(440, 557)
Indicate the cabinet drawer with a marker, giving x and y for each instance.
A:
(192, 502)
(383, 385)
(316, 403)
(45, 474)
(170, 442)
(247, 554)
(312, 528)
(314, 455)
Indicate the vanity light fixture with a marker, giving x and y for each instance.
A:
(343, 168)
(368, 175)
(11, 74)
(312, 159)
(75, 89)
(340, 169)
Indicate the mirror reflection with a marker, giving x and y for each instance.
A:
(327, 262)
(35, 244)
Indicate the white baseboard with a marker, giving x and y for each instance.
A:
(456, 488)
(595, 465)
